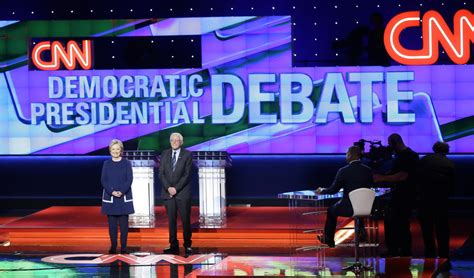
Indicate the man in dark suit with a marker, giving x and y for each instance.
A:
(175, 172)
(350, 177)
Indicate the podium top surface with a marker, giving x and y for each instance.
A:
(138, 154)
(141, 158)
(311, 195)
(212, 159)
(211, 154)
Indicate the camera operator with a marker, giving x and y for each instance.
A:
(377, 156)
(402, 180)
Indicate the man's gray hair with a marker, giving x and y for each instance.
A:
(177, 134)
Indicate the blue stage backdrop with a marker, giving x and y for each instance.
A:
(283, 86)
(251, 177)
(225, 83)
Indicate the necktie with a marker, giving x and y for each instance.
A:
(174, 159)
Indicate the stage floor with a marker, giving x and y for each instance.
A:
(215, 265)
(245, 227)
(256, 241)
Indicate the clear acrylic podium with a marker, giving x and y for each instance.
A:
(212, 197)
(143, 163)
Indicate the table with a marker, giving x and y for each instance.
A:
(294, 197)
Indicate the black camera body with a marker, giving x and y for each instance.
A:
(377, 153)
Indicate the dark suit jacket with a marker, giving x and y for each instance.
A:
(350, 177)
(436, 179)
(180, 178)
(117, 176)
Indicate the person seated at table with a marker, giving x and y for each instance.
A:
(353, 176)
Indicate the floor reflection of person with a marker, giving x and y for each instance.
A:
(119, 269)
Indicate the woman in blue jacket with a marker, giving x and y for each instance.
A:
(117, 201)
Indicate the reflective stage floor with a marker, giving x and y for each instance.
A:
(256, 241)
(217, 265)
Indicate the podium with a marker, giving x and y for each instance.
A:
(143, 164)
(212, 197)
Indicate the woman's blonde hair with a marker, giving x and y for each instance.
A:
(116, 142)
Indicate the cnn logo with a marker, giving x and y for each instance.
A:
(55, 55)
(435, 32)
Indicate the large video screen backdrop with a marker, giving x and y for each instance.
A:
(225, 83)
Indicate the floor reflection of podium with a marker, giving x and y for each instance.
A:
(212, 197)
(143, 164)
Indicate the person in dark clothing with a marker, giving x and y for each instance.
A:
(350, 177)
(402, 178)
(117, 200)
(436, 180)
(175, 177)
(377, 54)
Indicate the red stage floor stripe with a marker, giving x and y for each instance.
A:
(270, 227)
